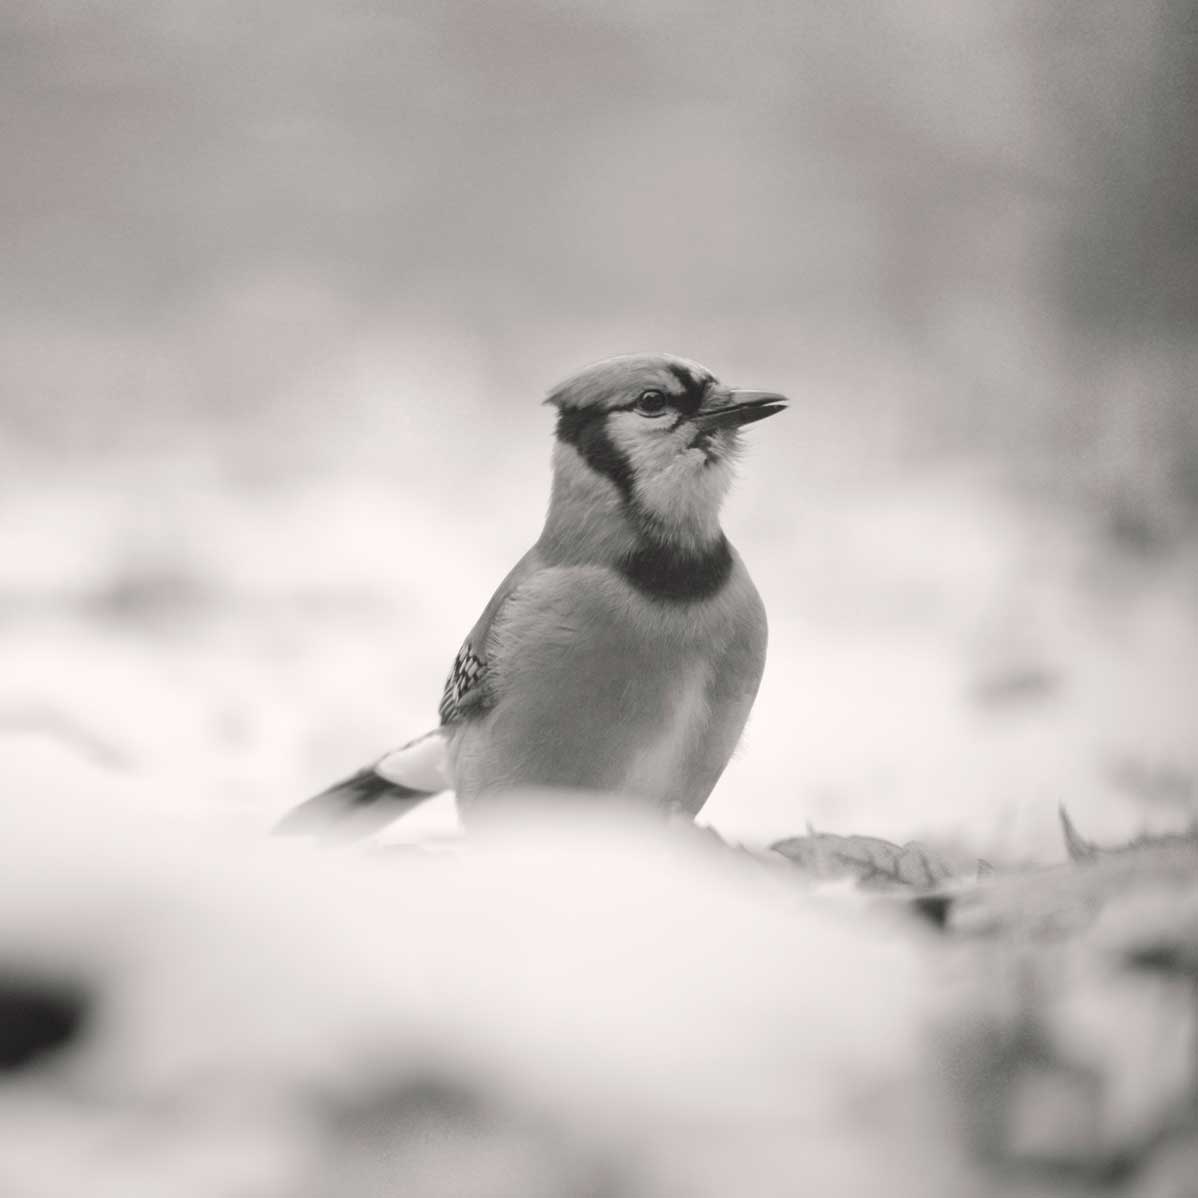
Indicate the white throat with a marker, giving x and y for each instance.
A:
(677, 487)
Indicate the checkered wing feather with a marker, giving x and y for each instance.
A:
(464, 688)
(471, 686)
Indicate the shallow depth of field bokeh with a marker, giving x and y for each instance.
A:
(283, 284)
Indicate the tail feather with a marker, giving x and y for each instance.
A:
(375, 796)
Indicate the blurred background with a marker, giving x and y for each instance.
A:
(283, 284)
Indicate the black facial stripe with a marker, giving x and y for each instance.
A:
(674, 575)
(686, 380)
(694, 390)
(586, 430)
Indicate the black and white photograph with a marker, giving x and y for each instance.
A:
(598, 599)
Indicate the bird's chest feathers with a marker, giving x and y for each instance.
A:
(658, 762)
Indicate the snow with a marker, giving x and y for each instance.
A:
(644, 1001)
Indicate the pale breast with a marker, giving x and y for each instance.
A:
(659, 767)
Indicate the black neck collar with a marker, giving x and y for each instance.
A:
(672, 574)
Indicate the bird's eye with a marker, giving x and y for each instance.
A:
(652, 403)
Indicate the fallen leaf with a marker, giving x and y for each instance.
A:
(872, 861)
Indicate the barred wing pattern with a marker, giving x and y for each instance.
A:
(470, 688)
(464, 686)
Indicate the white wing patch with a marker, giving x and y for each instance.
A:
(420, 765)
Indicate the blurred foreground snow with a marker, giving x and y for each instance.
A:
(566, 1008)
(570, 1005)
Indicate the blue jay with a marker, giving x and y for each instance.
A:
(623, 652)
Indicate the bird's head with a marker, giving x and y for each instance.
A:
(657, 432)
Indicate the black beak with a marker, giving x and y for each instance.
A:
(744, 407)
